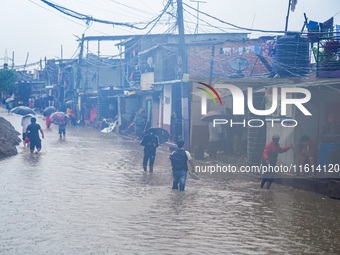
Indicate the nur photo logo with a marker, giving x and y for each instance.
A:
(209, 93)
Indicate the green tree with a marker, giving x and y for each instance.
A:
(7, 81)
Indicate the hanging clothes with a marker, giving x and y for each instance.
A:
(312, 24)
(327, 25)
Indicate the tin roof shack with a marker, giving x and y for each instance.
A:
(99, 83)
(99, 72)
(59, 78)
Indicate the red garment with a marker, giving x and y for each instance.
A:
(272, 148)
(93, 114)
(48, 121)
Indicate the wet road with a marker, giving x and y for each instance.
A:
(87, 194)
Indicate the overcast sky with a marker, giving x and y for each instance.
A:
(34, 27)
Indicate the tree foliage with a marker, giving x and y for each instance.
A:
(7, 81)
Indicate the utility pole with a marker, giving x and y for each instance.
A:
(287, 17)
(183, 69)
(26, 60)
(13, 60)
(79, 72)
(212, 64)
(198, 11)
(79, 62)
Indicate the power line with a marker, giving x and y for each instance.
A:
(233, 25)
(105, 10)
(127, 6)
(65, 17)
(336, 14)
(87, 18)
(210, 25)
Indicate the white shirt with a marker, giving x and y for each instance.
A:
(188, 155)
(25, 121)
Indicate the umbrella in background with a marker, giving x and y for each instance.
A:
(59, 118)
(210, 116)
(49, 110)
(70, 102)
(162, 134)
(9, 99)
(23, 110)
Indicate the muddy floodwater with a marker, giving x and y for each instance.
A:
(87, 194)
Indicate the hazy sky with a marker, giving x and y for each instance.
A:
(34, 27)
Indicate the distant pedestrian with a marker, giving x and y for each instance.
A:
(270, 154)
(93, 113)
(86, 115)
(150, 143)
(215, 134)
(308, 153)
(331, 127)
(139, 122)
(9, 106)
(62, 130)
(179, 161)
(48, 121)
(34, 129)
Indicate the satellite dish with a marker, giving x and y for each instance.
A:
(238, 64)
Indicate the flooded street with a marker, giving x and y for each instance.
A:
(87, 194)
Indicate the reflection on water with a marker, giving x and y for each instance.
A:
(88, 195)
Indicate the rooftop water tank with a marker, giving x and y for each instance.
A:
(292, 56)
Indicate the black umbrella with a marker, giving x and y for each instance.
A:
(162, 134)
(210, 116)
(49, 110)
(149, 138)
(23, 110)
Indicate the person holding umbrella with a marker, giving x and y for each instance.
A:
(61, 119)
(47, 113)
(150, 143)
(62, 130)
(34, 129)
(151, 139)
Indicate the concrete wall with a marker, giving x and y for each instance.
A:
(199, 59)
